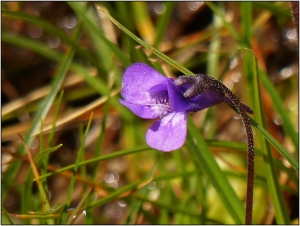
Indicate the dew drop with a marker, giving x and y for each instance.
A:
(109, 208)
(193, 6)
(152, 185)
(278, 120)
(34, 144)
(159, 8)
(236, 77)
(233, 63)
(291, 34)
(35, 31)
(286, 72)
(53, 42)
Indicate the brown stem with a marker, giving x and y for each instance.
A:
(250, 182)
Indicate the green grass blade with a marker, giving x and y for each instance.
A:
(279, 106)
(228, 25)
(287, 125)
(147, 46)
(76, 6)
(274, 8)
(276, 144)
(53, 30)
(246, 14)
(95, 82)
(162, 23)
(76, 166)
(101, 158)
(132, 215)
(205, 159)
(45, 106)
(50, 140)
(281, 214)
(44, 153)
(118, 192)
(7, 216)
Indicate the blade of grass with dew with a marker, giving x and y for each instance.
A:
(76, 211)
(205, 159)
(281, 214)
(76, 166)
(45, 106)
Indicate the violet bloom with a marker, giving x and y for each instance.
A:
(150, 95)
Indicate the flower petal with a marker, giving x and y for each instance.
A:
(177, 100)
(138, 80)
(169, 133)
(148, 111)
(207, 99)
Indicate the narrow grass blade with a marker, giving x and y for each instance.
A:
(281, 214)
(143, 21)
(147, 46)
(87, 21)
(228, 25)
(45, 153)
(6, 215)
(162, 23)
(246, 14)
(132, 215)
(53, 30)
(76, 166)
(279, 106)
(45, 106)
(276, 144)
(205, 159)
(101, 158)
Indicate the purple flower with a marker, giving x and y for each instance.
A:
(150, 95)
